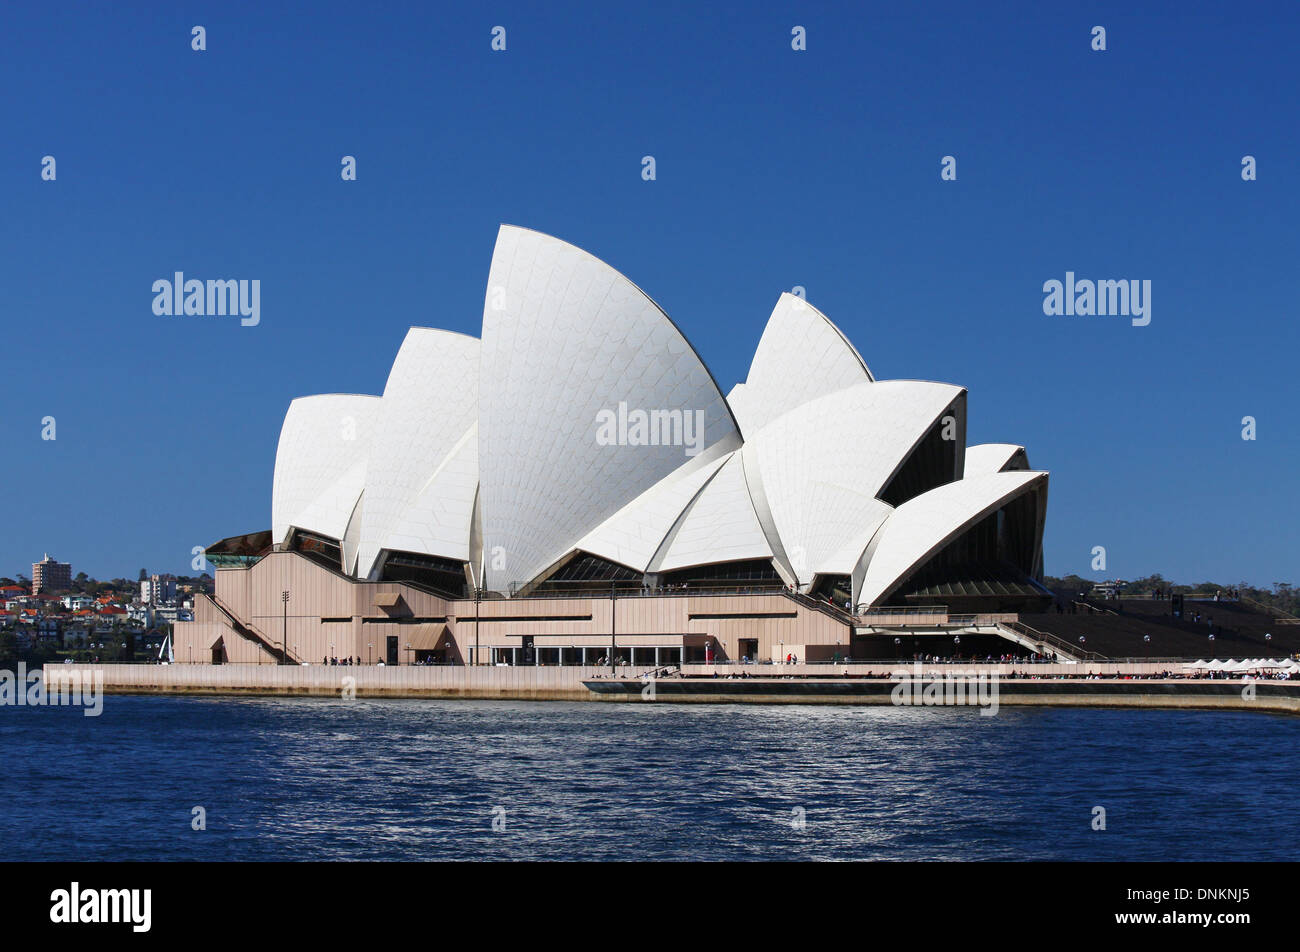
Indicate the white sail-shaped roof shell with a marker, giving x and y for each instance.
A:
(801, 356)
(738, 400)
(824, 463)
(565, 337)
(720, 525)
(423, 473)
(923, 525)
(994, 458)
(320, 463)
(439, 519)
(635, 533)
(495, 450)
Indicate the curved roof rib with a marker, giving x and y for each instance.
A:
(320, 463)
(566, 338)
(424, 462)
(922, 526)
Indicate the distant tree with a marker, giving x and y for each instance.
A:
(143, 575)
(1069, 583)
(1148, 584)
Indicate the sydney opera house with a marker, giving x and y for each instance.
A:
(574, 487)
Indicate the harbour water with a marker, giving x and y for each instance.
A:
(392, 779)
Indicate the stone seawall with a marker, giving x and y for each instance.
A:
(567, 684)
(399, 681)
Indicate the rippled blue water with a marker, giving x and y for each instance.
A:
(322, 779)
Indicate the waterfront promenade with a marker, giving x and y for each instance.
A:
(527, 683)
(1113, 685)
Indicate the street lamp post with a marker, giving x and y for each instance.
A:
(284, 630)
(613, 622)
(369, 646)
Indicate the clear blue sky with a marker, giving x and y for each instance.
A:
(775, 168)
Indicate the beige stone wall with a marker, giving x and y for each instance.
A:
(316, 594)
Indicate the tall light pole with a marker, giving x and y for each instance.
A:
(613, 622)
(284, 631)
(478, 610)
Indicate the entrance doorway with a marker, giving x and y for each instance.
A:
(392, 649)
(749, 650)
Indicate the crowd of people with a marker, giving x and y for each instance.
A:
(887, 673)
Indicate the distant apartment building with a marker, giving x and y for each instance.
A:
(51, 576)
(158, 589)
